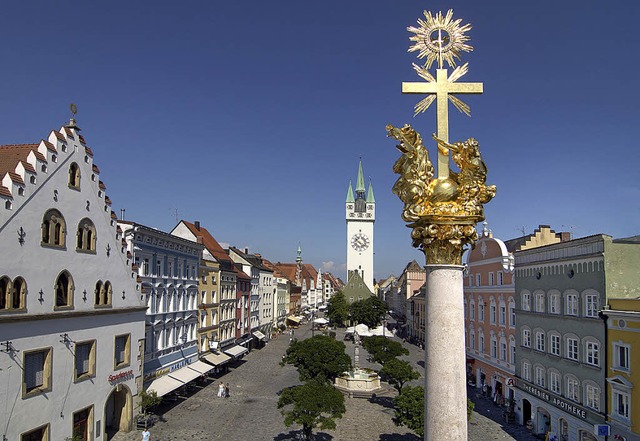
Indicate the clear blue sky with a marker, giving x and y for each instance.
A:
(251, 116)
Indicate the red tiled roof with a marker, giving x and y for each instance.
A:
(11, 154)
(15, 177)
(4, 191)
(50, 146)
(101, 185)
(69, 132)
(210, 243)
(114, 216)
(107, 200)
(59, 136)
(88, 150)
(28, 167)
(81, 138)
(95, 169)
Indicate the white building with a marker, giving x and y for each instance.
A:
(71, 315)
(168, 267)
(360, 216)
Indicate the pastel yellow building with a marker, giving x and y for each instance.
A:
(623, 368)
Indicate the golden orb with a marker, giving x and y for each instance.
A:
(443, 190)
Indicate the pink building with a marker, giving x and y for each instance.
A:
(490, 310)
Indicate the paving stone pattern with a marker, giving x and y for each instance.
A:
(250, 413)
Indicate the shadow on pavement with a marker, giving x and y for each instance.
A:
(398, 437)
(382, 401)
(297, 435)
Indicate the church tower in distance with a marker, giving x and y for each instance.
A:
(360, 215)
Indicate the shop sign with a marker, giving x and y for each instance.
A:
(560, 403)
(120, 376)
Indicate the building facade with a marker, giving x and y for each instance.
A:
(623, 359)
(71, 315)
(360, 216)
(169, 268)
(561, 339)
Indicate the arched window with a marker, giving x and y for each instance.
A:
(103, 293)
(74, 176)
(98, 292)
(53, 229)
(86, 236)
(5, 293)
(64, 290)
(19, 294)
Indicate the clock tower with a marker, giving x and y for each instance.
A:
(360, 215)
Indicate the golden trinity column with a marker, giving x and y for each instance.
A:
(442, 212)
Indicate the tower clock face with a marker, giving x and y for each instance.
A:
(360, 242)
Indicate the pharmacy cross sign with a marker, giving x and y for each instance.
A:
(441, 38)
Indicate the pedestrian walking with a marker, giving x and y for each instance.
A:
(146, 436)
(221, 390)
(226, 391)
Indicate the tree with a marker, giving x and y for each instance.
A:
(398, 372)
(409, 409)
(338, 310)
(370, 311)
(383, 349)
(320, 358)
(148, 400)
(315, 404)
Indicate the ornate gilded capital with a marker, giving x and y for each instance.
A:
(442, 243)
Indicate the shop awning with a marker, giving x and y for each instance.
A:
(294, 319)
(236, 351)
(217, 359)
(164, 385)
(201, 367)
(185, 374)
(259, 335)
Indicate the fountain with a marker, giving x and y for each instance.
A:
(359, 382)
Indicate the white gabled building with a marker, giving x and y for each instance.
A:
(71, 316)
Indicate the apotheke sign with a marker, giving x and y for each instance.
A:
(560, 403)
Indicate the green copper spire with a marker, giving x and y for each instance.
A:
(350, 193)
(360, 181)
(370, 197)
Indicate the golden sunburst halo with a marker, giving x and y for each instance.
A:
(440, 38)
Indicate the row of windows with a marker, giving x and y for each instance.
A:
(497, 314)
(13, 294)
(552, 380)
(494, 279)
(38, 363)
(54, 232)
(497, 351)
(551, 303)
(165, 268)
(571, 346)
(74, 179)
(171, 301)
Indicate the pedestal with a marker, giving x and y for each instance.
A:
(445, 380)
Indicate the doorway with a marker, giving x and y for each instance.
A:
(526, 412)
(118, 411)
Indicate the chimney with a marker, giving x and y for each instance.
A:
(246, 250)
(200, 239)
(197, 224)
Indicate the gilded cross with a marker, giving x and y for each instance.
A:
(444, 89)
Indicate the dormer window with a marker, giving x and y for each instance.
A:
(21, 191)
(54, 158)
(44, 168)
(32, 179)
(63, 147)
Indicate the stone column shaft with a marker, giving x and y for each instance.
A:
(445, 376)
